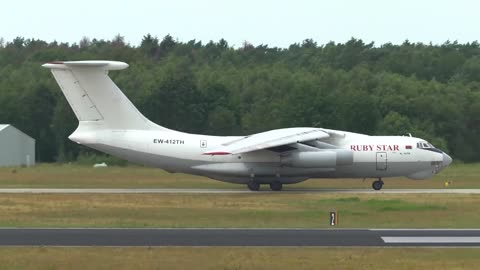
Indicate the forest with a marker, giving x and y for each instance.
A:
(431, 91)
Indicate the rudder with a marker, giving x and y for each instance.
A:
(76, 96)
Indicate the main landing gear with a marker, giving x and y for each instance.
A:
(378, 184)
(275, 186)
(253, 186)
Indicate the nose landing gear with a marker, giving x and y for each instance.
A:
(378, 184)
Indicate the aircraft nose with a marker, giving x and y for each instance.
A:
(446, 160)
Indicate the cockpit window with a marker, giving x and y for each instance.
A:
(425, 145)
(428, 146)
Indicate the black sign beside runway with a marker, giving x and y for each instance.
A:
(333, 218)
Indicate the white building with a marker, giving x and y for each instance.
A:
(16, 147)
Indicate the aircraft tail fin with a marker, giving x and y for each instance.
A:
(94, 97)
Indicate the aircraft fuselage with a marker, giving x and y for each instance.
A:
(363, 156)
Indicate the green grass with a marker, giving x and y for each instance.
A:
(248, 210)
(401, 205)
(78, 176)
(174, 258)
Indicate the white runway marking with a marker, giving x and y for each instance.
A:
(228, 191)
(424, 230)
(430, 239)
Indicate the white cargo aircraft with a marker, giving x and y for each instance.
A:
(110, 123)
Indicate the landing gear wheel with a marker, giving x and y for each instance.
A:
(276, 186)
(377, 185)
(253, 186)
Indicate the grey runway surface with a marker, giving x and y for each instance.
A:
(213, 190)
(238, 237)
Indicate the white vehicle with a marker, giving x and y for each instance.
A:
(110, 123)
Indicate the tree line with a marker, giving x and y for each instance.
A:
(427, 90)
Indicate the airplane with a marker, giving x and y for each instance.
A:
(110, 123)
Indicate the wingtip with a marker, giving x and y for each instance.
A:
(53, 64)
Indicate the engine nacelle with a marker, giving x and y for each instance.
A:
(319, 159)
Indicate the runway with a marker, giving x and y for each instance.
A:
(240, 237)
(231, 191)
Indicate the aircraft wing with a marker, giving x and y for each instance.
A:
(268, 139)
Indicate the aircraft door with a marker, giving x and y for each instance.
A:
(381, 161)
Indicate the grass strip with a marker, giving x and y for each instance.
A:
(247, 210)
(238, 258)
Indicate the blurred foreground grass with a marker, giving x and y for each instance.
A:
(173, 258)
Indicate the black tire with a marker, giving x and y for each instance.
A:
(253, 186)
(276, 186)
(377, 185)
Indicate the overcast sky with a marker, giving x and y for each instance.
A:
(274, 22)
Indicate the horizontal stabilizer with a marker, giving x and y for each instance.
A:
(107, 65)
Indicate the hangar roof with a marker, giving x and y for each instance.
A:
(3, 126)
